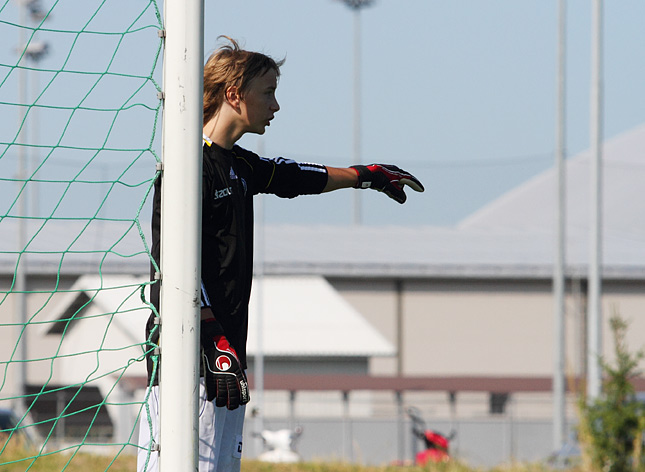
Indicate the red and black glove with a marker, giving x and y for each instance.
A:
(224, 378)
(388, 179)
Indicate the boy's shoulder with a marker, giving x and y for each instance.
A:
(239, 151)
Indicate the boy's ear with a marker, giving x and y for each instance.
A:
(233, 96)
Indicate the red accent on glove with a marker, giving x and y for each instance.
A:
(222, 344)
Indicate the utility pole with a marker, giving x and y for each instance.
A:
(559, 272)
(594, 343)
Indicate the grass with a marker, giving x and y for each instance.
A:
(255, 466)
(17, 459)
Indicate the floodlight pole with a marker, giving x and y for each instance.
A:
(594, 341)
(356, 6)
(358, 214)
(559, 277)
(21, 268)
(26, 51)
(181, 234)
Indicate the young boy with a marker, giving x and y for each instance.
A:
(239, 98)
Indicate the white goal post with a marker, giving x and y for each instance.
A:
(181, 233)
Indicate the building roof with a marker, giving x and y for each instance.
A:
(512, 236)
(531, 206)
(305, 316)
(109, 296)
(302, 316)
(74, 246)
(100, 322)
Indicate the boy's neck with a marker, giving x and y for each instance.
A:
(222, 132)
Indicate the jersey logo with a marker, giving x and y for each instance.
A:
(225, 192)
(234, 176)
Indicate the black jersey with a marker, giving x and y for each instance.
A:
(230, 179)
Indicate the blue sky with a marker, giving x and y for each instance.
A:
(459, 92)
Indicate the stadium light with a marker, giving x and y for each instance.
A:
(357, 4)
(36, 50)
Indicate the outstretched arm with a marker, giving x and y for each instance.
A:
(340, 177)
(385, 178)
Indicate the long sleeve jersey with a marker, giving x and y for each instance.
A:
(230, 180)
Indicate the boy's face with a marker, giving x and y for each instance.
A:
(259, 104)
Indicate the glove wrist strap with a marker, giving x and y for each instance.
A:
(363, 174)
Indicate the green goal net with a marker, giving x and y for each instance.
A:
(80, 114)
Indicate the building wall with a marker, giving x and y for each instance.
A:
(486, 327)
(40, 300)
(478, 328)
(449, 327)
(307, 365)
(627, 299)
(377, 301)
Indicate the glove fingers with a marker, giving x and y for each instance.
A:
(222, 393)
(209, 380)
(233, 393)
(245, 397)
(395, 193)
(211, 389)
(238, 391)
(405, 178)
(399, 177)
(413, 183)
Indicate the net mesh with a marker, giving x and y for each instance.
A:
(79, 128)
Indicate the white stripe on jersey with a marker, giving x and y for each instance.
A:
(312, 167)
(205, 300)
(278, 160)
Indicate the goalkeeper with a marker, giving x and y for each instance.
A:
(239, 98)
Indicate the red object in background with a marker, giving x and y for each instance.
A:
(436, 444)
(436, 448)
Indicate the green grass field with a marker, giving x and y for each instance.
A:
(15, 459)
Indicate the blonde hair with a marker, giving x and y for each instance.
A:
(230, 66)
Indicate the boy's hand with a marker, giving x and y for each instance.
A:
(388, 179)
(224, 378)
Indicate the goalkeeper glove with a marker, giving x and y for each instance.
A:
(388, 179)
(224, 378)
